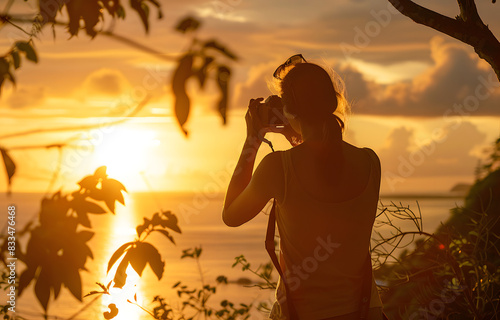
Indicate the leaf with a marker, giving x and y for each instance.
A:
(121, 275)
(103, 287)
(113, 311)
(221, 279)
(25, 279)
(143, 11)
(166, 234)
(188, 24)
(84, 206)
(28, 49)
(100, 173)
(182, 103)
(85, 236)
(152, 256)
(73, 282)
(4, 70)
(42, 289)
(158, 6)
(201, 73)
(89, 183)
(88, 10)
(16, 60)
(137, 259)
(223, 75)
(92, 293)
(171, 222)
(111, 192)
(117, 187)
(213, 44)
(118, 253)
(10, 166)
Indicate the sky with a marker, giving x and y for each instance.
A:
(423, 101)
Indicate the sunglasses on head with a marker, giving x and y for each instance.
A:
(279, 73)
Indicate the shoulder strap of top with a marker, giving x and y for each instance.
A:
(375, 162)
(286, 162)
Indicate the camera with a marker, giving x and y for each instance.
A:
(271, 112)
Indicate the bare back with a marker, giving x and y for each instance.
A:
(351, 181)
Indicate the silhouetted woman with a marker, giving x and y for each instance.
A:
(326, 191)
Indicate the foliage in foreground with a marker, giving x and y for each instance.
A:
(455, 272)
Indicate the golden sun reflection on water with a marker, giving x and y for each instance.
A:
(122, 230)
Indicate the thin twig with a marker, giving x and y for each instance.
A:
(139, 107)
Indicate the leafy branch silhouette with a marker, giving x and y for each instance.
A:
(57, 249)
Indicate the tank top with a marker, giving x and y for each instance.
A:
(323, 245)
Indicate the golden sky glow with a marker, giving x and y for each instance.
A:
(405, 81)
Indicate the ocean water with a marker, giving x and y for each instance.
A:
(200, 220)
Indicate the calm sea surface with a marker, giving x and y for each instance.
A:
(199, 219)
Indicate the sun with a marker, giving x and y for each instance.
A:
(127, 152)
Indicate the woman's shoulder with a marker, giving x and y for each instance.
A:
(361, 152)
(362, 159)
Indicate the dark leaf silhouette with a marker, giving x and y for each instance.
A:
(114, 8)
(100, 173)
(105, 289)
(158, 6)
(144, 253)
(170, 222)
(89, 182)
(182, 103)
(141, 228)
(166, 234)
(223, 75)
(154, 258)
(73, 282)
(121, 275)
(28, 49)
(48, 9)
(5, 72)
(111, 192)
(82, 207)
(138, 259)
(188, 24)
(16, 60)
(91, 293)
(113, 312)
(42, 288)
(201, 73)
(118, 253)
(9, 165)
(25, 279)
(143, 11)
(213, 44)
(86, 10)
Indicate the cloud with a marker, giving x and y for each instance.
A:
(26, 97)
(457, 83)
(448, 152)
(257, 84)
(105, 82)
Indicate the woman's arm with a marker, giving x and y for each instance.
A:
(246, 194)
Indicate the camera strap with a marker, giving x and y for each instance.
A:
(270, 248)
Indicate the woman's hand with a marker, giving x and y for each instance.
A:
(291, 135)
(255, 128)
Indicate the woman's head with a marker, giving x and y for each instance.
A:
(314, 98)
(309, 93)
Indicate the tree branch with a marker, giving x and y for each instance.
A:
(468, 28)
(468, 11)
(139, 107)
